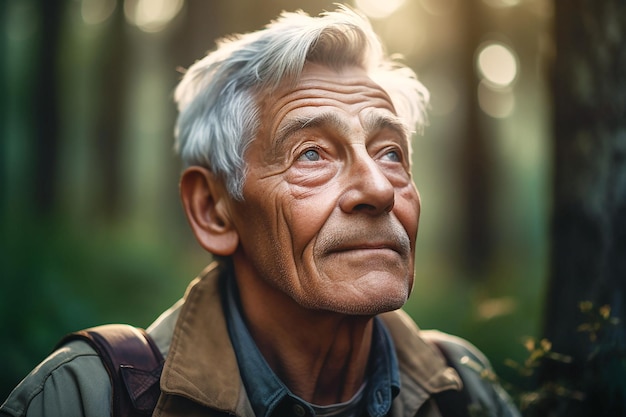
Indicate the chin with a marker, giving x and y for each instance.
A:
(375, 308)
(370, 294)
(366, 305)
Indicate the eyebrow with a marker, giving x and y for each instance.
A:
(372, 122)
(300, 123)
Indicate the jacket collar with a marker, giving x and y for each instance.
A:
(419, 360)
(201, 364)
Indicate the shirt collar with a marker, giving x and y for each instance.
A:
(269, 396)
(384, 379)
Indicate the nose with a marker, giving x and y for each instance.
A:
(367, 188)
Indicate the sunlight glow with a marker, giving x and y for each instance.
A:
(378, 9)
(152, 15)
(497, 64)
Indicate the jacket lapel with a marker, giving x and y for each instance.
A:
(201, 365)
(423, 370)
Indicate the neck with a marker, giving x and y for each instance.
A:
(320, 356)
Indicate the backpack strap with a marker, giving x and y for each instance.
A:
(451, 403)
(133, 362)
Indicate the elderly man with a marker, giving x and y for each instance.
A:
(296, 144)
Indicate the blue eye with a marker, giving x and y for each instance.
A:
(393, 156)
(310, 155)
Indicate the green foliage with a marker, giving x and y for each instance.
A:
(60, 279)
(564, 386)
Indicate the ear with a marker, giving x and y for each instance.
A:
(205, 201)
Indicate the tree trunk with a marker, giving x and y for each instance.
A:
(475, 161)
(589, 213)
(45, 108)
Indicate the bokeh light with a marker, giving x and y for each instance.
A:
(378, 9)
(152, 15)
(497, 103)
(497, 64)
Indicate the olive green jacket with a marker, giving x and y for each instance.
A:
(201, 376)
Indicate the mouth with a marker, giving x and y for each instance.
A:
(367, 246)
(372, 249)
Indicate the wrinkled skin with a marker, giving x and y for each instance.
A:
(330, 211)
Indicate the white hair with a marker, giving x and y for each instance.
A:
(217, 96)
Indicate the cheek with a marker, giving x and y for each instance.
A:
(307, 216)
(407, 208)
(284, 218)
(260, 217)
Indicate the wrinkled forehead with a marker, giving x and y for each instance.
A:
(319, 87)
(320, 79)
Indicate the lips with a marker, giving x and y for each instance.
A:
(358, 246)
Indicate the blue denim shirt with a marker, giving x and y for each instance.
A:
(268, 395)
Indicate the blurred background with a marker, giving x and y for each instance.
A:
(91, 229)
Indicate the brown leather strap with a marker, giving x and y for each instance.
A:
(134, 364)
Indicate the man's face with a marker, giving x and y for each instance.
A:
(330, 212)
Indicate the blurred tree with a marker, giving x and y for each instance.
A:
(108, 128)
(476, 166)
(45, 108)
(589, 212)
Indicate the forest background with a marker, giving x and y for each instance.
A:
(92, 231)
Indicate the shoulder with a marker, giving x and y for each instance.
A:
(456, 348)
(479, 379)
(71, 381)
(162, 330)
(472, 366)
